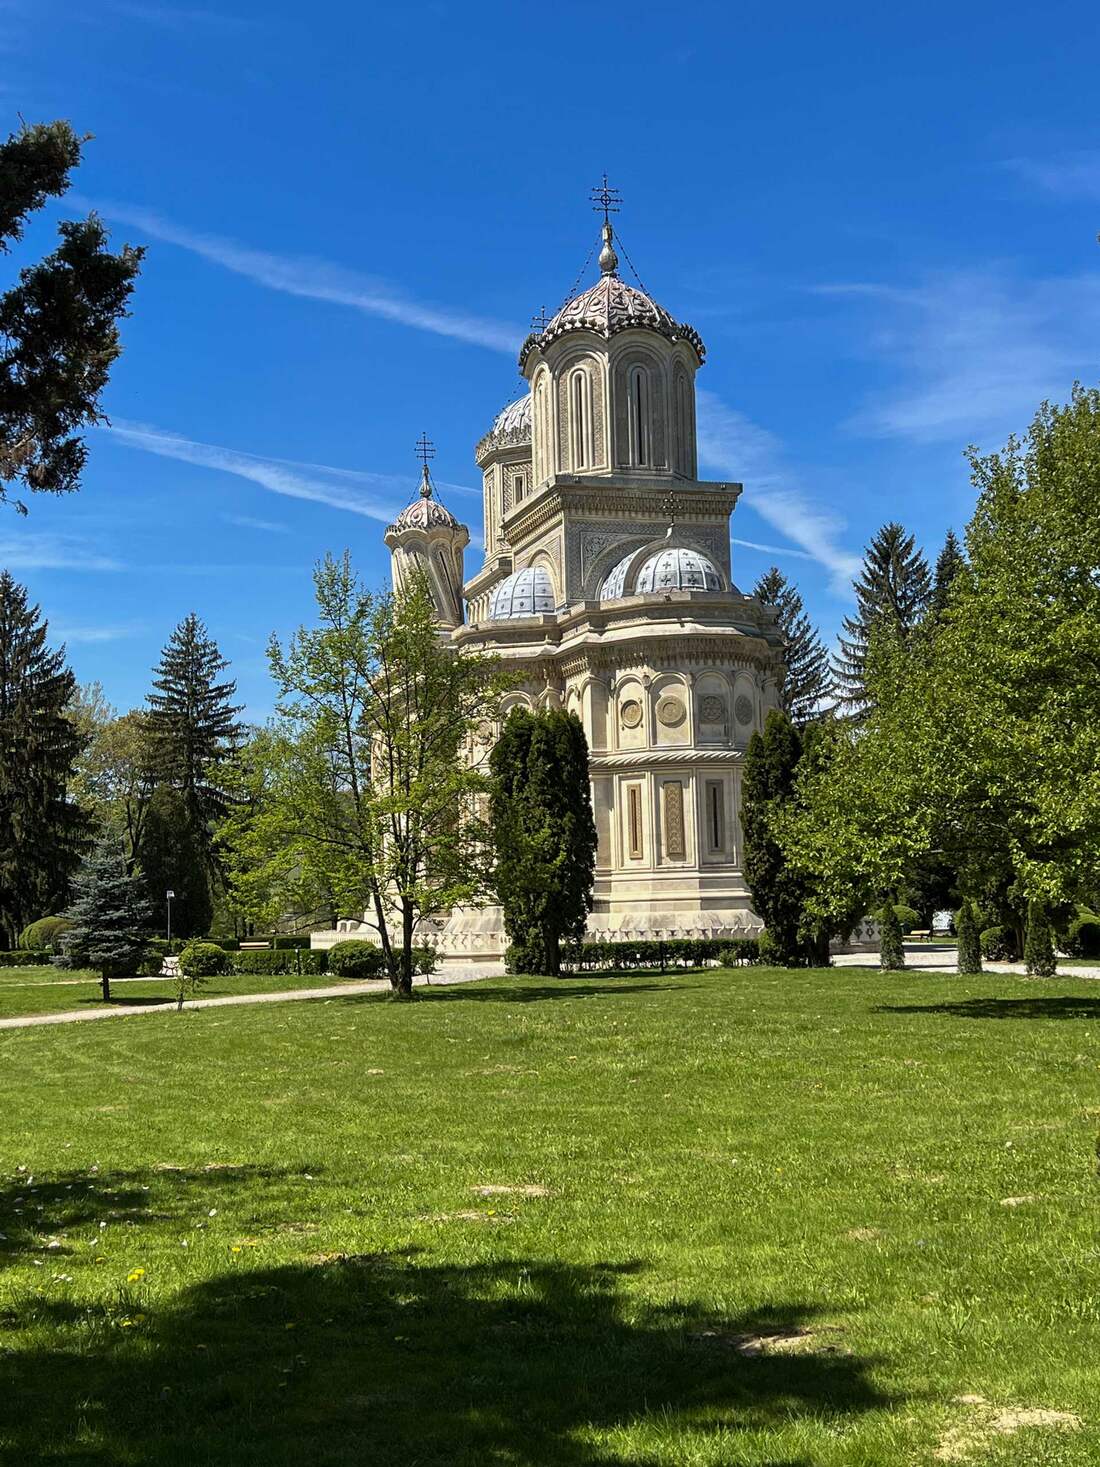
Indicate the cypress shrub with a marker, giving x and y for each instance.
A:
(892, 953)
(970, 948)
(1039, 944)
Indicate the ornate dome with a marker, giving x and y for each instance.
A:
(674, 568)
(611, 306)
(511, 428)
(425, 512)
(524, 593)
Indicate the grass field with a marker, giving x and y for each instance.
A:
(25, 991)
(761, 1218)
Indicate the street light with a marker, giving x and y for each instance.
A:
(169, 895)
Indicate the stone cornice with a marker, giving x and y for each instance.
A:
(663, 758)
(612, 497)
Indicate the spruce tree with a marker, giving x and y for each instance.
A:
(171, 858)
(767, 783)
(892, 594)
(949, 563)
(110, 915)
(970, 946)
(1039, 944)
(891, 947)
(42, 832)
(543, 832)
(192, 727)
(809, 687)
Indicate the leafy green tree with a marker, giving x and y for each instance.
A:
(891, 947)
(170, 858)
(1039, 946)
(368, 782)
(892, 593)
(113, 777)
(110, 915)
(192, 729)
(970, 947)
(59, 323)
(42, 832)
(544, 833)
(808, 688)
(767, 785)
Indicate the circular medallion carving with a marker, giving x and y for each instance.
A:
(743, 708)
(713, 709)
(631, 713)
(670, 711)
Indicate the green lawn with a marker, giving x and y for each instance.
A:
(749, 1218)
(25, 991)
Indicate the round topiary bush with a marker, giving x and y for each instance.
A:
(998, 945)
(907, 916)
(1083, 938)
(204, 960)
(356, 959)
(44, 936)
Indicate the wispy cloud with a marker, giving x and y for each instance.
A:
(271, 474)
(317, 279)
(1073, 175)
(42, 550)
(740, 449)
(246, 522)
(785, 550)
(89, 634)
(974, 352)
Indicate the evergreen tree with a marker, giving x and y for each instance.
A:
(171, 858)
(892, 593)
(544, 833)
(192, 728)
(110, 915)
(767, 784)
(1039, 944)
(949, 563)
(42, 832)
(809, 682)
(59, 324)
(891, 948)
(970, 946)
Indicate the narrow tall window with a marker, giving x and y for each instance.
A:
(684, 427)
(638, 414)
(542, 433)
(716, 821)
(634, 821)
(580, 420)
(520, 485)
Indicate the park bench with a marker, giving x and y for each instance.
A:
(254, 946)
(920, 934)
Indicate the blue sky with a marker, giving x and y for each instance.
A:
(881, 219)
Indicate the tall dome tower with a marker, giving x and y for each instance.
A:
(426, 536)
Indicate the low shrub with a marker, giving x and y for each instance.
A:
(677, 952)
(998, 945)
(289, 940)
(44, 935)
(766, 952)
(227, 944)
(203, 960)
(21, 958)
(292, 961)
(1083, 938)
(355, 958)
(1039, 944)
(741, 952)
(907, 916)
(425, 960)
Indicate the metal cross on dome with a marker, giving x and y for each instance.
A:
(425, 449)
(607, 199)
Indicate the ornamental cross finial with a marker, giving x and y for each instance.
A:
(606, 200)
(669, 508)
(425, 450)
(540, 321)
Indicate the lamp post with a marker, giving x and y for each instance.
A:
(169, 895)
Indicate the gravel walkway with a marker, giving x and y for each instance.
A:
(339, 990)
(938, 958)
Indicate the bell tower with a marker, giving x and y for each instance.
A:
(427, 537)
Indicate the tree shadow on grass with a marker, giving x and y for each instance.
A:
(40, 1218)
(384, 1359)
(537, 991)
(1062, 1007)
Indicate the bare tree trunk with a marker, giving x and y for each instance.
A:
(402, 979)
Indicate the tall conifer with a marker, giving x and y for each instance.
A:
(110, 916)
(192, 726)
(892, 595)
(809, 687)
(42, 832)
(778, 894)
(949, 563)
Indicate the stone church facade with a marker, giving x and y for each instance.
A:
(607, 583)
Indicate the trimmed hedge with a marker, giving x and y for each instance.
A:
(998, 945)
(355, 958)
(204, 960)
(679, 952)
(289, 940)
(907, 916)
(293, 961)
(1083, 938)
(43, 936)
(23, 959)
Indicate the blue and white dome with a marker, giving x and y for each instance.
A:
(677, 569)
(524, 593)
(674, 568)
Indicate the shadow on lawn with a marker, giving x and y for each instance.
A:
(385, 1359)
(34, 1214)
(1062, 1007)
(537, 990)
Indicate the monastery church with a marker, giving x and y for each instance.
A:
(607, 579)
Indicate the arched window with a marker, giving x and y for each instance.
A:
(541, 433)
(637, 410)
(685, 429)
(580, 419)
